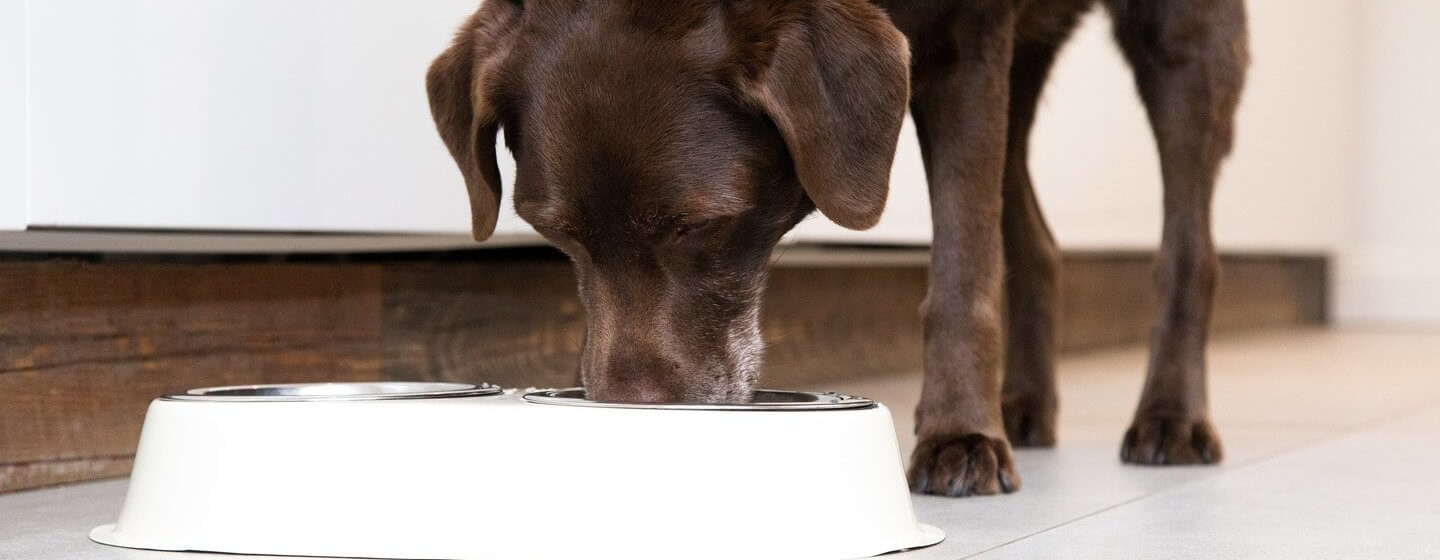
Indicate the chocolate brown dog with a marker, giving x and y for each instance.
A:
(666, 146)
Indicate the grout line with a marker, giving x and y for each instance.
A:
(1305, 443)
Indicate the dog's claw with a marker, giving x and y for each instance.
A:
(1007, 485)
(918, 484)
(1164, 440)
(963, 465)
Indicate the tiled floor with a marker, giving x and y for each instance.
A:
(1331, 442)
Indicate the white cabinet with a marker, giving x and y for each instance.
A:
(12, 115)
(257, 115)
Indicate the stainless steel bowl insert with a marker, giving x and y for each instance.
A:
(309, 392)
(762, 401)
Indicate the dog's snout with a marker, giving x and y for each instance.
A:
(639, 390)
(634, 375)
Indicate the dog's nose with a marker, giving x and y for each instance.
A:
(637, 390)
(645, 391)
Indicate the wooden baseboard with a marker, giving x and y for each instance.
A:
(87, 341)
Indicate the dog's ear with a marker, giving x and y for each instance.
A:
(836, 85)
(464, 112)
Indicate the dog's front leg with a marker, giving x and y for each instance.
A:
(960, 95)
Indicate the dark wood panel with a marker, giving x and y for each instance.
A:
(1260, 291)
(522, 324)
(15, 476)
(1108, 298)
(84, 346)
(833, 322)
(519, 324)
(509, 323)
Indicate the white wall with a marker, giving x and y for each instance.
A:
(1389, 266)
(13, 211)
(250, 115)
(1283, 188)
(1094, 160)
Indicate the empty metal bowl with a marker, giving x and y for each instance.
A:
(306, 392)
(444, 471)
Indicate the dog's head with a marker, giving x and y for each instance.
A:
(666, 147)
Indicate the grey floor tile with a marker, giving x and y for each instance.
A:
(1370, 493)
(1081, 476)
(54, 524)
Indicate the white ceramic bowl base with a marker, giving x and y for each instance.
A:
(497, 477)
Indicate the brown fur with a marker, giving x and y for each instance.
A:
(667, 146)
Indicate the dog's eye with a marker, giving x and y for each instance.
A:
(691, 227)
(694, 228)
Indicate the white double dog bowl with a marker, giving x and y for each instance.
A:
(461, 472)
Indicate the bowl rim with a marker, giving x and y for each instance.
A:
(289, 392)
(783, 401)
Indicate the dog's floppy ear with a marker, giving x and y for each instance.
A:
(463, 110)
(837, 85)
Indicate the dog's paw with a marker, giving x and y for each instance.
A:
(1171, 440)
(1030, 422)
(963, 465)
